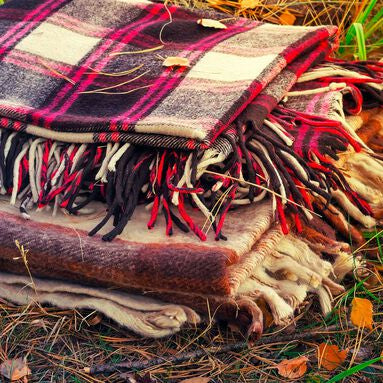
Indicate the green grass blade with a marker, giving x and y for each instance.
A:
(374, 27)
(353, 370)
(360, 41)
(375, 19)
(363, 16)
(375, 45)
(361, 19)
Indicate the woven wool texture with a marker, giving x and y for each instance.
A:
(228, 69)
(227, 277)
(142, 315)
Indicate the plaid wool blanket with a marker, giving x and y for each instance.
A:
(129, 115)
(75, 74)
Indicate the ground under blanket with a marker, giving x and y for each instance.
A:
(125, 116)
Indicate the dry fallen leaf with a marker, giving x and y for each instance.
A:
(330, 357)
(176, 61)
(95, 319)
(287, 18)
(15, 369)
(209, 23)
(267, 316)
(293, 368)
(361, 313)
(198, 379)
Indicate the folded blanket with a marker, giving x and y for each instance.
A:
(227, 69)
(145, 316)
(224, 278)
(105, 108)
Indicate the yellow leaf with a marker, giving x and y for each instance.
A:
(209, 23)
(198, 379)
(293, 368)
(361, 313)
(287, 18)
(15, 369)
(248, 4)
(176, 61)
(330, 357)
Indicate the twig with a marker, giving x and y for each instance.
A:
(262, 188)
(192, 355)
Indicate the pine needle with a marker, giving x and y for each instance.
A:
(115, 74)
(100, 90)
(263, 188)
(127, 92)
(59, 74)
(373, 237)
(213, 214)
(137, 52)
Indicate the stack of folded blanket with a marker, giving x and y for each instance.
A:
(207, 162)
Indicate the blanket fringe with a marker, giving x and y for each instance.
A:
(49, 174)
(291, 157)
(290, 272)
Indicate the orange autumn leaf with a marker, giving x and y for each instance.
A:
(361, 313)
(330, 357)
(287, 18)
(293, 368)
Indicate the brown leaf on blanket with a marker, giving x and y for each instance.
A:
(198, 379)
(209, 23)
(293, 368)
(15, 369)
(176, 61)
(330, 357)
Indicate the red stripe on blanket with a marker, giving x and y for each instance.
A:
(114, 42)
(193, 53)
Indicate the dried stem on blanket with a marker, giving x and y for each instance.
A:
(167, 23)
(115, 74)
(260, 187)
(137, 52)
(57, 73)
(127, 92)
(101, 90)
